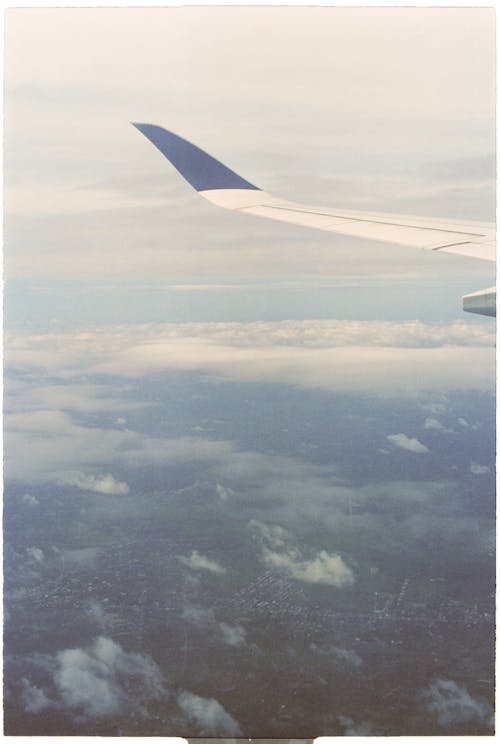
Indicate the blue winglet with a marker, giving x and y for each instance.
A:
(199, 169)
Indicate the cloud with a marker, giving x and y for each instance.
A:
(436, 406)
(373, 369)
(452, 704)
(97, 682)
(274, 536)
(105, 484)
(433, 423)
(477, 469)
(204, 619)
(199, 616)
(29, 499)
(79, 557)
(104, 680)
(233, 635)
(199, 562)
(36, 554)
(33, 698)
(323, 568)
(21, 395)
(224, 493)
(97, 613)
(49, 446)
(210, 716)
(309, 334)
(355, 729)
(349, 657)
(344, 356)
(407, 443)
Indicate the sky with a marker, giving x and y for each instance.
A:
(249, 467)
(325, 106)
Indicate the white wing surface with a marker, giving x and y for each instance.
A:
(225, 188)
(467, 239)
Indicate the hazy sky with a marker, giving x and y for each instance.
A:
(333, 429)
(389, 109)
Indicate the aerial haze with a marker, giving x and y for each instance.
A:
(249, 467)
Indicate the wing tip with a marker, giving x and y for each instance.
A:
(200, 169)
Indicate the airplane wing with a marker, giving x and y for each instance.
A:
(225, 188)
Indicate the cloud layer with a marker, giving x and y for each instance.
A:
(51, 437)
(343, 356)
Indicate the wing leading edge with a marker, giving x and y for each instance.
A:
(225, 188)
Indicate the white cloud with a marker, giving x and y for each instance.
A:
(477, 469)
(341, 508)
(348, 656)
(33, 698)
(345, 356)
(199, 616)
(363, 728)
(96, 682)
(373, 369)
(274, 536)
(435, 407)
(210, 716)
(67, 396)
(204, 619)
(36, 554)
(104, 680)
(310, 334)
(407, 443)
(223, 492)
(197, 562)
(79, 557)
(233, 635)
(342, 654)
(324, 568)
(84, 684)
(433, 423)
(48, 446)
(105, 484)
(29, 499)
(453, 704)
(97, 613)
